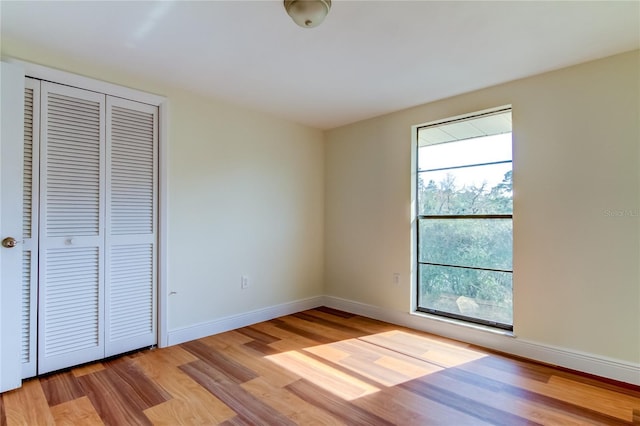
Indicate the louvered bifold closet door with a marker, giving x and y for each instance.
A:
(30, 202)
(72, 207)
(130, 317)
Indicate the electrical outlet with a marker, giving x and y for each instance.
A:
(396, 278)
(244, 282)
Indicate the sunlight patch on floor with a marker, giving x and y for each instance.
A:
(323, 375)
(347, 368)
(424, 348)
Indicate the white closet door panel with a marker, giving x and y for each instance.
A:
(70, 309)
(133, 167)
(73, 157)
(27, 182)
(30, 227)
(11, 163)
(72, 200)
(131, 226)
(27, 303)
(71, 294)
(131, 311)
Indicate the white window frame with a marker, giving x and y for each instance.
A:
(415, 309)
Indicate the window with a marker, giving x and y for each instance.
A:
(464, 219)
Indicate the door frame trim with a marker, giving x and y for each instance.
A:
(63, 77)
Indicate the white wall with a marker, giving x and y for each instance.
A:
(245, 196)
(576, 161)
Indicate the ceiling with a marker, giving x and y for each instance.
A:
(368, 58)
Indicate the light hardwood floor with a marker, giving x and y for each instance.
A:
(319, 367)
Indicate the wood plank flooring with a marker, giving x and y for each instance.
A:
(319, 367)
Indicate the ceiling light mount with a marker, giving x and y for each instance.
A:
(307, 13)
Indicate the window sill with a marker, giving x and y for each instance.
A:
(468, 325)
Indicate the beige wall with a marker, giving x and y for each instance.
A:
(576, 161)
(245, 197)
(245, 193)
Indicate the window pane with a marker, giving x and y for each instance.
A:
(485, 295)
(488, 149)
(479, 243)
(470, 190)
(464, 203)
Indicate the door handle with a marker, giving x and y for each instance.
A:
(9, 242)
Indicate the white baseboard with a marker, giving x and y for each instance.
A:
(221, 325)
(500, 341)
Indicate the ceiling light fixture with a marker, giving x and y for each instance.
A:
(307, 13)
